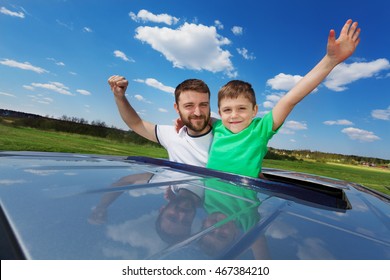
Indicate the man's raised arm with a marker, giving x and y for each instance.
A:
(145, 129)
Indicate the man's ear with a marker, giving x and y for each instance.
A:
(176, 107)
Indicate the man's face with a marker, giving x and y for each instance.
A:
(177, 217)
(194, 110)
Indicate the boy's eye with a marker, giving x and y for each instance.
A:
(226, 110)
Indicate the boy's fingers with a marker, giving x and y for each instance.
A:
(346, 27)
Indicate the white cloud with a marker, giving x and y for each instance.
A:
(144, 238)
(67, 26)
(338, 122)
(141, 98)
(290, 127)
(145, 16)
(360, 134)
(237, 30)
(59, 63)
(122, 56)
(156, 84)
(23, 66)
(28, 87)
(268, 104)
(7, 94)
(381, 114)
(295, 125)
(9, 182)
(53, 86)
(7, 12)
(218, 24)
(191, 46)
(271, 100)
(162, 110)
(283, 81)
(344, 74)
(45, 100)
(244, 53)
(87, 29)
(83, 92)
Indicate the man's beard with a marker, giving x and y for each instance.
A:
(197, 127)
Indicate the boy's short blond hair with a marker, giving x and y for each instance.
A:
(236, 88)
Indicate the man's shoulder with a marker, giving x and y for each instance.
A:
(170, 132)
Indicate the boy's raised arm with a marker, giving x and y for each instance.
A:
(337, 51)
(145, 129)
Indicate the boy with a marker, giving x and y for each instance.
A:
(240, 142)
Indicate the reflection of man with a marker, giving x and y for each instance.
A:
(99, 213)
(175, 220)
(192, 103)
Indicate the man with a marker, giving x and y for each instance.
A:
(192, 103)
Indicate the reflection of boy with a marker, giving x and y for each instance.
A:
(240, 142)
(231, 213)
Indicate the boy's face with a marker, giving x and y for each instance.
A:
(194, 110)
(237, 113)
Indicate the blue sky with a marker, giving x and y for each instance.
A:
(56, 57)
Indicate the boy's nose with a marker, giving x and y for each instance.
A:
(234, 113)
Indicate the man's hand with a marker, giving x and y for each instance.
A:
(345, 45)
(118, 85)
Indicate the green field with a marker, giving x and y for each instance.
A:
(29, 139)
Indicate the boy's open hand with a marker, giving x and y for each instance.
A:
(345, 45)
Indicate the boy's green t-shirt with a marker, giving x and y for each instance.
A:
(241, 153)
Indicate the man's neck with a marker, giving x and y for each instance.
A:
(198, 133)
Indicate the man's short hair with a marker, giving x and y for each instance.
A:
(191, 84)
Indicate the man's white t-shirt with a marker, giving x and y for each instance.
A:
(183, 148)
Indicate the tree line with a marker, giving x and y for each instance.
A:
(72, 125)
(101, 129)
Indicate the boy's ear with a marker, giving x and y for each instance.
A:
(219, 112)
(255, 110)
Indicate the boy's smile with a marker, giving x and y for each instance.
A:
(237, 113)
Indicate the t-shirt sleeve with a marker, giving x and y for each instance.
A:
(164, 134)
(266, 124)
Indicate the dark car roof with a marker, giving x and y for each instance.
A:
(69, 206)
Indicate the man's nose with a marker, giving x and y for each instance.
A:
(197, 111)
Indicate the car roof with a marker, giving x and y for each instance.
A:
(72, 206)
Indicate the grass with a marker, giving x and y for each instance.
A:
(29, 139)
(374, 178)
